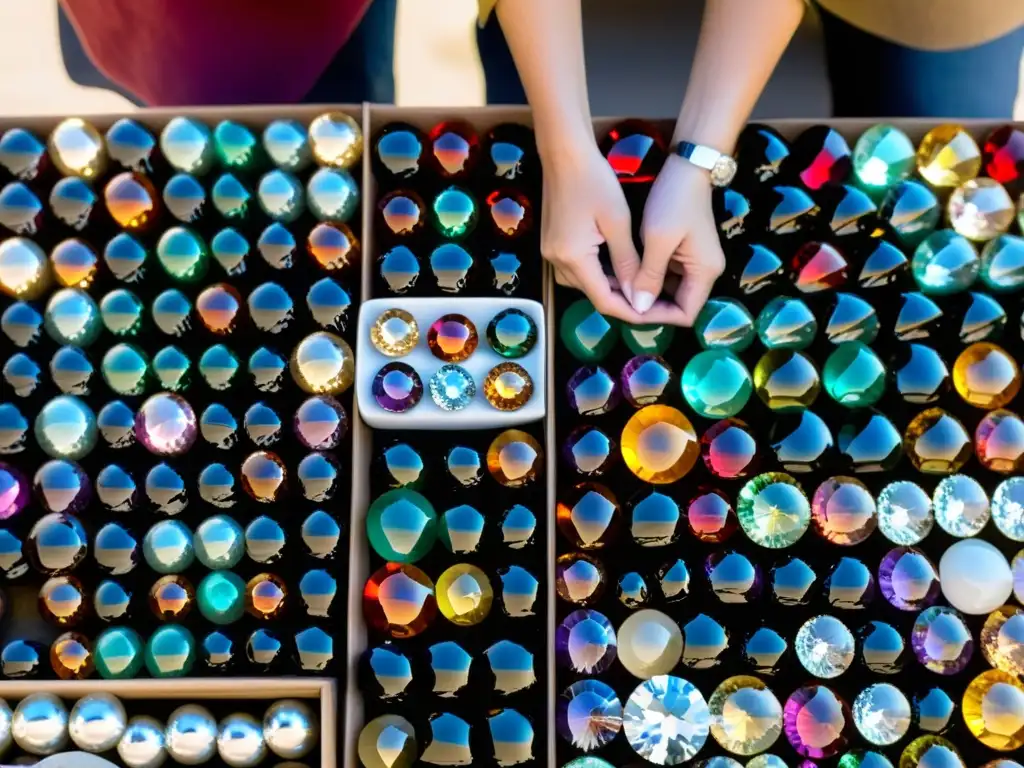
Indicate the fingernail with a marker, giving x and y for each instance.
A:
(627, 291)
(642, 301)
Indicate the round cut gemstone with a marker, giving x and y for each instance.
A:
(1002, 639)
(166, 425)
(588, 335)
(843, 511)
(792, 582)
(986, 376)
(515, 458)
(937, 443)
(716, 383)
(983, 318)
(732, 577)
(975, 577)
(589, 517)
(666, 720)
(945, 263)
(400, 465)
(659, 444)
(589, 715)
(825, 646)
(921, 375)
(908, 579)
(705, 641)
(1002, 264)
(394, 333)
(801, 441)
(941, 640)
(746, 718)
(852, 319)
(820, 156)
(460, 529)
(850, 211)
(464, 595)
(649, 643)
(1008, 508)
(999, 442)
(762, 268)
(585, 642)
(655, 519)
(710, 516)
(919, 317)
(980, 209)
(397, 387)
(398, 599)
(773, 511)
(948, 156)
(961, 506)
(454, 213)
(882, 714)
(816, 721)
(882, 648)
(993, 709)
(786, 323)
(508, 387)
(15, 489)
(854, 376)
(929, 751)
(882, 157)
(850, 585)
(631, 590)
(399, 268)
(329, 304)
(322, 364)
(674, 580)
(452, 338)
(401, 525)
(786, 380)
(589, 451)
(592, 391)
(579, 578)
(464, 465)
(452, 387)
(729, 449)
(724, 324)
(512, 333)
(645, 380)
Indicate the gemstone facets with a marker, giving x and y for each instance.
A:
(666, 720)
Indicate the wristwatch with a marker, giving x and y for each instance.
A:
(721, 166)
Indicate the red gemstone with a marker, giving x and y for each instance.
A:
(511, 212)
(399, 600)
(635, 151)
(821, 156)
(710, 516)
(818, 267)
(729, 449)
(454, 148)
(1003, 157)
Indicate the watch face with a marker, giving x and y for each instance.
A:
(723, 171)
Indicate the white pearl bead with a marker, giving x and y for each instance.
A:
(975, 577)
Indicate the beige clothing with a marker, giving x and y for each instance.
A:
(927, 24)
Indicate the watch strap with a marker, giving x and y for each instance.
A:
(698, 154)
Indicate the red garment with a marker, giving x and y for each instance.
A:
(194, 52)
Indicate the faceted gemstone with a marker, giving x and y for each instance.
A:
(986, 376)
(398, 599)
(518, 525)
(264, 476)
(401, 525)
(980, 209)
(1008, 508)
(512, 333)
(655, 520)
(854, 376)
(746, 718)
(115, 550)
(724, 324)
(166, 425)
(820, 156)
(632, 590)
(945, 263)
(588, 335)
(666, 720)
(589, 715)
(589, 451)
(674, 580)
(333, 246)
(882, 157)
(948, 156)
(395, 333)
(265, 596)
(762, 268)
(928, 751)
(920, 374)
(843, 511)
(659, 444)
(271, 307)
(773, 510)
(792, 582)
(183, 254)
(764, 651)
(933, 710)
(56, 544)
(1003, 156)
(71, 657)
(786, 379)
(983, 318)
(730, 209)
(732, 577)
(645, 380)
(452, 387)
(993, 709)
(882, 714)
(818, 267)
(729, 449)
(999, 442)
(1002, 639)
(397, 387)
(579, 578)
(852, 319)
(171, 310)
(908, 579)
(936, 442)
(515, 458)
(65, 428)
(942, 641)
(171, 597)
(649, 643)
(961, 506)
(825, 646)
(71, 317)
(333, 196)
(716, 383)
(800, 440)
(589, 517)
(592, 391)
(786, 323)
(760, 154)
(919, 318)
(882, 648)
(322, 363)
(62, 601)
(816, 721)
(647, 339)
(508, 387)
(850, 585)
(766, 760)
(451, 265)
(868, 442)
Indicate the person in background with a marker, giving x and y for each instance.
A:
(886, 58)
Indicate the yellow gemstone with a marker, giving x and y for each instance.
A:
(388, 741)
(746, 717)
(515, 458)
(786, 379)
(336, 140)
(1002, 639)
(931, 752)
(948, 156)
(323, 364)
(508, 386)
(986, 376)
(77, 149)
(993, 709)
(659, 444)
(464, 594)
(24, 269)
(937, 443)
(395, 333)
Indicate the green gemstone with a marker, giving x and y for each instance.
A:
(221, 597)
(716, 384)
(183, 254)
(786, 323)
(117, 653)
(773, 510)
(235, 145)
(170, 651)
(882, 157)
(125, 369)
(1002, 264)
(454, 213)
(230, 197)
(72, 317)
(218, 366)
(912, 210)
(512, 333)
(854, 375)
(172, 369)
(945, 263)
(648, 339)
(724, 324)
(401, 525)
(586, 333)
(122, 312)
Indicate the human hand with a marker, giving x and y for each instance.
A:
(680, 241)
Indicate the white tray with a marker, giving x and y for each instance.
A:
(426, 414)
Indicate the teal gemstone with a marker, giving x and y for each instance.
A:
(118, 653)
(724, 324)
(716, 384)
(401, 525)
(125, 257)
(945, 263)
(72, 317)
(71, 371)
(125, 369)
(912, 211)
(172, 369)
(218, 366)
(786, 323)
(122, 312)
(219, 542)
(648, 339)
(235, 145)
(882, 157)
(588, 335)
(512, 333)
(454, 213)
(65, 428)
(183, 254)
(854, 375)
(281, 196)
(170, 651)
(230, 197)
(230, 249)
(1002, 264)
(187, 145)
(287, 144)
(333, 195)
(167, 547)
(171, 312)
(852, 319)
(773, 510)
(221, 597)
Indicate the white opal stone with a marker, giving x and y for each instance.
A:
(975, 577)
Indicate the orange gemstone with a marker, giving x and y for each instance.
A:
(265, 596)
(71, 656)
(264, 476)
(74, 263)
(218, 307)
(508, 387)
(452, 338)
(515, 458)
(62, 601)
(333, 246)
(131, 200)
(171, 597)
(659, 444)
(399, 599)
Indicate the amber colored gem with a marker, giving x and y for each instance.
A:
(986, 376)
(999, 442)
(62, 601)
(515, 458)
(993, 710)
(264, 476)
(395, 333)
(659, 444)
(936, 442)
(172, 597)
(452, 338)
(71, 656)
(131, 200)
(265, 596)
(508, 387)
(588, 516)
(218, 307)
(399, 600)
(333, 246)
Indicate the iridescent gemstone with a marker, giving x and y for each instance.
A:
(645, 380)
(999, 442)
(801, 441)
(589, 517)
(72, 372)
(729, 449)
(277, 245)
(843, 511)
(171, 597)
(945, 263)
(762, 268)
(585, 642)
(980, 209)
(451, 387)
(816, 721)
(65, 428)
(792, 582)
(786, 323)
(184, 197)
(674, 580)
(733, 578)
(993, 710)
(631, 590)
(512, 333)
(942, 641)
(171, 310)
(961, 506)
(592, 391)
(589, 451)
(589, 715)
(928, 751)
(1008, 508)
(786, 379)
(765, 651)
(659, 444)
(588, 335)
(263, 476)
(726, 324)
(746, 718)
(882, 648)
(166, 424)
(452, 338)
(904, 513)
(825, 646)
(936, 442)
(74, 263)
(908, 579)
(773, 510)
(1002, 639)
(515, 458)
(882, 714)
(58, 486)
(666, 720)
(705, 641)
(183, 254)
(818, 267)
(716, 383)
(131, 201)
(510, 211)
(579, 578)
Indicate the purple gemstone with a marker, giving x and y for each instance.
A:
(585, 642)
(13, 491)
(61, 486)
(941, 640)
(397, 387)
(908, 579)
(166, 424)
(645, 380)
(816, 721)
(592, 391)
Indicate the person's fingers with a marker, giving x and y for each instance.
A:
(565, 277)
(593, 282)
(649, 281)
(701, 274)
(617, 233)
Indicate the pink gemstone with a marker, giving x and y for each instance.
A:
(710, 516)
(729, 449)
(166, 424)
(816, 721)
(13, 491)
